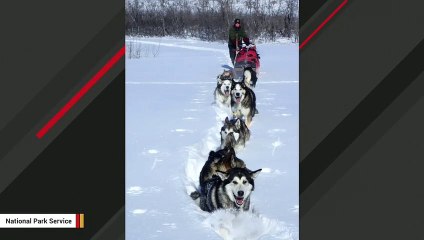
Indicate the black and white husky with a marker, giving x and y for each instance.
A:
(223, 88)
(249, 77)
(230, 190)
(243, 102)
(234, 133)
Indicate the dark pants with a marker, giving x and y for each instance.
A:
(232, 51)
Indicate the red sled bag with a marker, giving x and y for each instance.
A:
(246, 57)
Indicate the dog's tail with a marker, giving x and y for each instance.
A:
(195, 195)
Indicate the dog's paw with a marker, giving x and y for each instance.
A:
(195, 195)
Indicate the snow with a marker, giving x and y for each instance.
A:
(171, 126)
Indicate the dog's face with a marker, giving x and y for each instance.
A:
(239, 184)
(225, 86)
(230, 130)
(238, 92)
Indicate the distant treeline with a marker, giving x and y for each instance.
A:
(210, 20)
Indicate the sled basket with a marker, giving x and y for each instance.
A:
(246, 57)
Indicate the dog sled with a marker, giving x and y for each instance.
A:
(246, 57)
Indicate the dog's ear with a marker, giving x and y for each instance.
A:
(222, 175)
(254, 174)
(212, 154)
(219, 79)
(237, 123)
(243, 84)
(227, 121)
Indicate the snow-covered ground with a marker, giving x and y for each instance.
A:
(171, 126)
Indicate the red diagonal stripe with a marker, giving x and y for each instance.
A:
(323, 24)
(77, 224)
(81, 93)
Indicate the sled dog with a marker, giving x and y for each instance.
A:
(223, 88)
(234, 133)
(243, 102)
(231, 190)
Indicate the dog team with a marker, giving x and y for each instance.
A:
(225, 181)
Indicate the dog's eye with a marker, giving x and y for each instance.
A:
(244, 182)
(234, 182)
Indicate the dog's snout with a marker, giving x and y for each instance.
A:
(237, 94)
(240, 193)
(227, 87)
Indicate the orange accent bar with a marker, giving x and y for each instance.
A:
(82, 220)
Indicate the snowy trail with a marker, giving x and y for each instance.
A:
(170, 134)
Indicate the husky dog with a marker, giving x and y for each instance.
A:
(223, 88)
(249, 77)
(231, 190)
(243, 102)
(230, 129)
